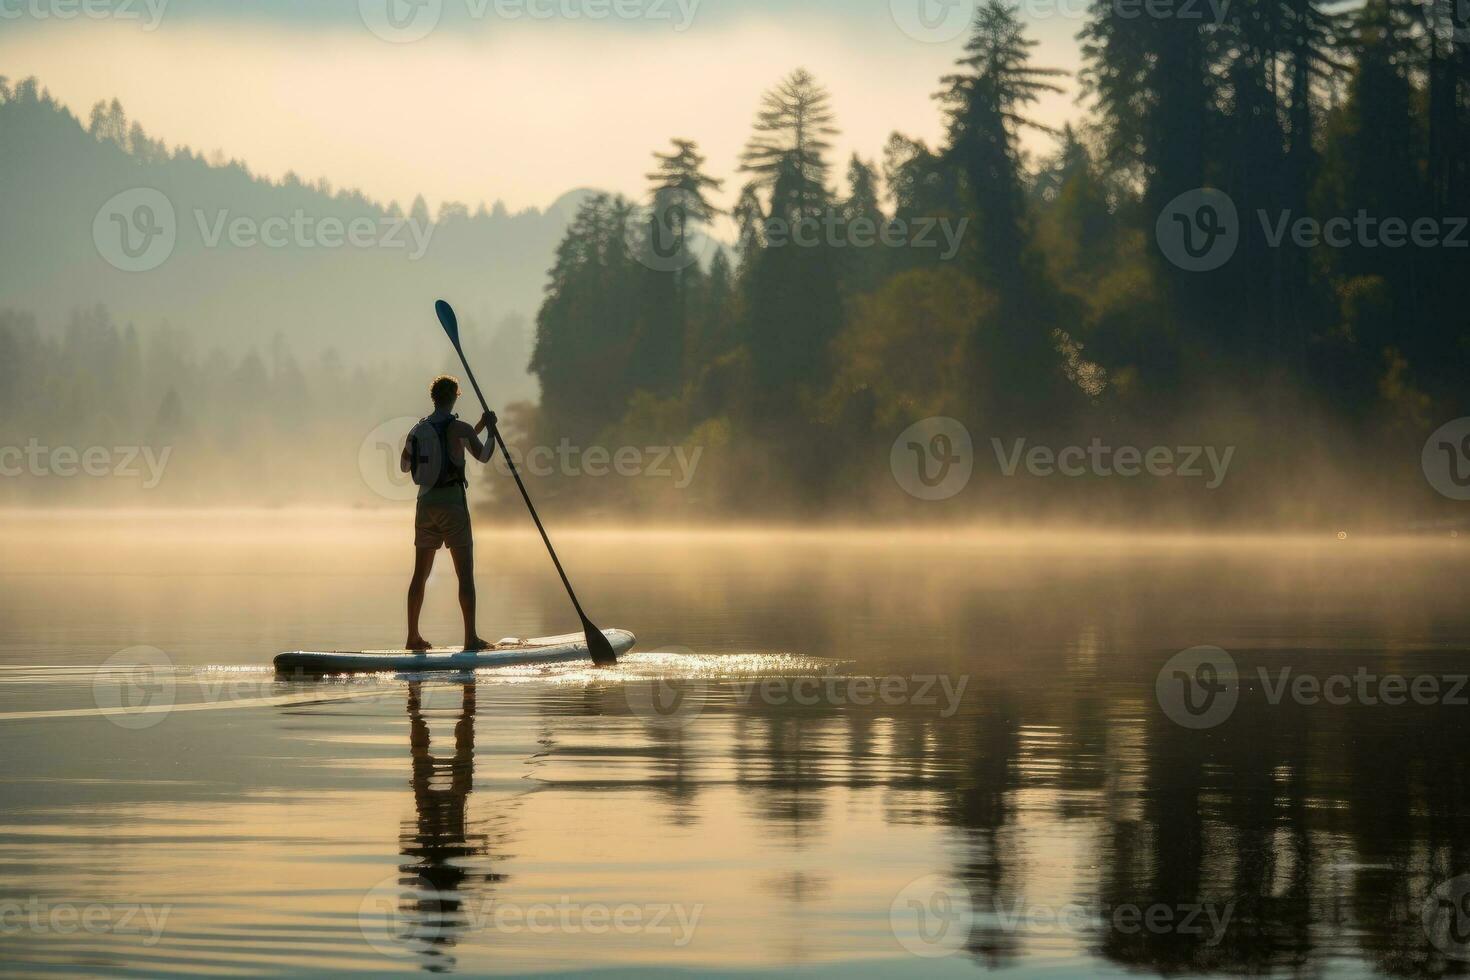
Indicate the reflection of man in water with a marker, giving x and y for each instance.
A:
(438, 839)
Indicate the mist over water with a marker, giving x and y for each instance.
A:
(844, 724)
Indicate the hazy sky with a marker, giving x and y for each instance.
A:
(498, 99)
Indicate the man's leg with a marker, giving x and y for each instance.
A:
(464, 567)
(423, 563)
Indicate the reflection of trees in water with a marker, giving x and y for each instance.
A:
(1321, 830)
(659, 759)
(440, 840)
(781, 772)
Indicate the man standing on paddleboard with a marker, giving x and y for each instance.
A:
(435, 456)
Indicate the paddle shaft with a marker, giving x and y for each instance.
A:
(499, 441)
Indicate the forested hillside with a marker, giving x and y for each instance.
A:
(234, 257)
(1103, 292)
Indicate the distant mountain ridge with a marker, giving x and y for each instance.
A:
(103, 214)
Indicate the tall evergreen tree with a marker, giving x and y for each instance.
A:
(587, 324)
(986, 106)
(682, 173)
(671, 266)
(793, 305)
(861, 219)
(787, 152)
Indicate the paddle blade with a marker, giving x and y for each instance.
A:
(449, 321)
(598, 645)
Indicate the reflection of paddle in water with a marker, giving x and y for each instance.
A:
(439, 839)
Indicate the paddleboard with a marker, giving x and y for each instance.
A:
(507, 653)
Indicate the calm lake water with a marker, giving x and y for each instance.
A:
(871, 754)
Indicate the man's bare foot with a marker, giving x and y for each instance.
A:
(418, 643)
(475, 644)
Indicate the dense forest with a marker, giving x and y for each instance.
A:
(789, 340)
(1060, 318)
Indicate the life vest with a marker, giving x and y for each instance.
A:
(434, 465)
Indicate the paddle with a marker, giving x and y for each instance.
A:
(597, 644)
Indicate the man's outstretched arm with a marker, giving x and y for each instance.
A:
(483, 451)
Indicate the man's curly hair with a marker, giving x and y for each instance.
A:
(444, 388)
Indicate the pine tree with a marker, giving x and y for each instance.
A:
(671, 273)
(586, 326)
(793, 306)
(862, 220)
(787, 153)
(985, 106)
(682, 173)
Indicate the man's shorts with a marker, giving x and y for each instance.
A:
(443, 520)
